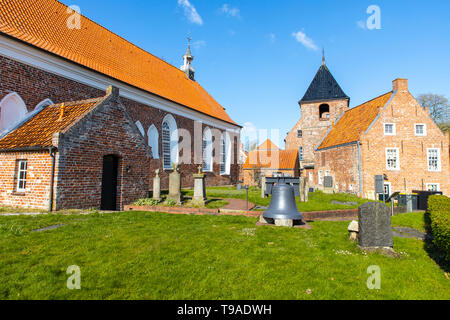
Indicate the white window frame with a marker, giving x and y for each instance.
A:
(173, 151)
(207, 151)
(433, 184)
(320, 176)
(439, 164)
(397, 168)
(140, 128)
(424, 134)
(24, 178)
(311, 177)
(227, 157)
(394, 129)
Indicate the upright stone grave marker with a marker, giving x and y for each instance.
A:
(157, 186)
(175, 185)
(199, 188)
(375, 227)
(263, 187)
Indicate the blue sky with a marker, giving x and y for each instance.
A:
(258, 57)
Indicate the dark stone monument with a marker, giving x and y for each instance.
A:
(375, 228)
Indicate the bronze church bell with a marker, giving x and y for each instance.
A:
(283, 205)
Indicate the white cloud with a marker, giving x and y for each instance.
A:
(198, 44)
(305, 40)
(190, 12)
(272, 37)
(230, 12)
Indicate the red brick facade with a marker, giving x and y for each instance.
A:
(38, 179)
(354, 171)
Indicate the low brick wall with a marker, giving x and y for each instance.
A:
(308, 216)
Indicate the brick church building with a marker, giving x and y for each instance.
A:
(391, 135)
(86, 117)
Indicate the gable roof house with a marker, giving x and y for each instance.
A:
(268, 160)
(48, 54)
(391, 135)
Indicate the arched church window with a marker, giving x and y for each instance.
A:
(153, 141)
(169, 142)
(12, 111)
(324, 111)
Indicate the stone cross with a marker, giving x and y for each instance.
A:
(175, 185)
(375, 227)
(157, 186)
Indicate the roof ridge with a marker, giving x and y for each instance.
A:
(368, 101)
(134, 45)
(71, 103)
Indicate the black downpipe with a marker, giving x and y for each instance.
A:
(52, 151)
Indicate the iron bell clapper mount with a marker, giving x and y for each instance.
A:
(283, 205)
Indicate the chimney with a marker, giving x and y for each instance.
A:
(400, 85)
(114, 91)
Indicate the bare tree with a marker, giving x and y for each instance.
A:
(437, 105)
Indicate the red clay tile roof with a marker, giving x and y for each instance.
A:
(43, 23)
(355, 121)
(268, 145)
(37, 133)
(287, 159)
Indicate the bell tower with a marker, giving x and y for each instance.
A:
(321, 106)
(187, 66)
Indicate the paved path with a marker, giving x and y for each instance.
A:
(238, 205)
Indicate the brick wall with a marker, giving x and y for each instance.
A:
(342, 162)
(37, 190)
(107, 130)
(35, 85)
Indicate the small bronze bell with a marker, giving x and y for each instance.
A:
(283, 205)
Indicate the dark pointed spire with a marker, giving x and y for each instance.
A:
(323, 87)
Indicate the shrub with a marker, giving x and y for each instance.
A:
(439, 210)
(171, 202)
(146, 202)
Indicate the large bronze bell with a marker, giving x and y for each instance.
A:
(283, 205)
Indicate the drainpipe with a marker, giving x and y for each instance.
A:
(52, 152)
(359, 169)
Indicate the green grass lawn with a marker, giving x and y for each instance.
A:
(136, 255)
(318, 201)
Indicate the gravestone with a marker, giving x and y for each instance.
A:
(328, 184)
(199, 188)
(157, 186)
(304, 189)
(375, 227)
(175, 185)
(263, 187)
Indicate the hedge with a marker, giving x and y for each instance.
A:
(439, 210)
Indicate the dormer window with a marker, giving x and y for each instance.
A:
(324, 112)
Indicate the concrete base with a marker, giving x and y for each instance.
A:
(387, 251)
(287, 223)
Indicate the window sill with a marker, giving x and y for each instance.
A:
(18, 194)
